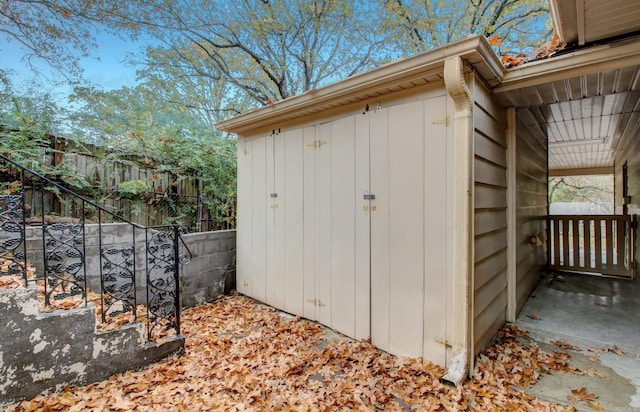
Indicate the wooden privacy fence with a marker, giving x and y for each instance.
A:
(592, 243)
(165, 200)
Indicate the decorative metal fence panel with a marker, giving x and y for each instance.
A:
(12, 246)
(128, 271)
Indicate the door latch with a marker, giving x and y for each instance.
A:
(369, 196)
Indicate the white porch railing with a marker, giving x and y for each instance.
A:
(591, 243)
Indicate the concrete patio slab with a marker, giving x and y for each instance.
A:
(587, 311)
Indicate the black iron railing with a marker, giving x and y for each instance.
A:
(128, 271)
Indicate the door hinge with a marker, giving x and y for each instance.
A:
(316, 144)
(442, 119)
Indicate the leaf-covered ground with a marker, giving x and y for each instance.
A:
(244, 356)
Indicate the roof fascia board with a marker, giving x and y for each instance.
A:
(564, 17)
(583, 62)
(476, 50)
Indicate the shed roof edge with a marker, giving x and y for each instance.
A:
(475, 50)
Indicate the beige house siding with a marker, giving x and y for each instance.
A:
(531, 205)
(490, 216)
(631, 155)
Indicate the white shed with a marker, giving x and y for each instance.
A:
(408, 204)
(347, 204)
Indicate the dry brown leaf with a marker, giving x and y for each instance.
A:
(618, 350)
(495, 40)
(512, 61)
(594, 358)
(533, 316)
(595, 406)
(593, 372)
(565, 345)
(583, 394)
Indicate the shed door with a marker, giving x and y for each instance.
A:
(408, 146)
(340, 229)
(311, 244)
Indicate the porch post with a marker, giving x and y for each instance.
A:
(511, 216)
(461, 337)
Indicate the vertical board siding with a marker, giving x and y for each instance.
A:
(531, 204)
(380, 247)
(275, 220)
(310, 231)
(490, 207)
(406, 210)
(244, 244)
(259, 240)
(363, 230)
(410, 226)
(323, 224)
(310, 244)
(343, 241)
(292, 208)
(438, 197)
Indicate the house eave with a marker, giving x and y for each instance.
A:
(564, 19)
(623, 53)
(476, 51)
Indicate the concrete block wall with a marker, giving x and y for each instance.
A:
(212, 270)
(209, 274)
(47, 351)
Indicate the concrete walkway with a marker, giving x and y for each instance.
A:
(588, 312)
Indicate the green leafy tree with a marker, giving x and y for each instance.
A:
(26, 121)
(165, 137)
(30, 125)
(178, 77)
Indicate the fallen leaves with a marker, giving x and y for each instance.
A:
(533, 316)
(581, 394)
(513, 61)
(244, 356)
(614, 349)
(547, 50)
(564, 345)
(617, 350)
(10, 272)
(11, 282)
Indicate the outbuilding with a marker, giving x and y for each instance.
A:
(408, 205)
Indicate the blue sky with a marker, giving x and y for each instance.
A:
(105, 69)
